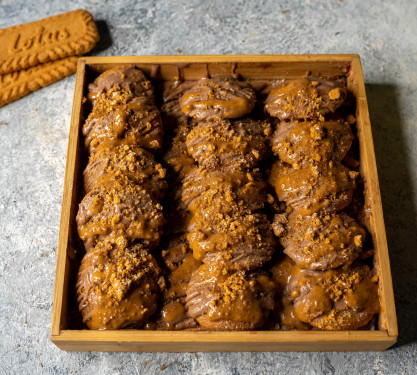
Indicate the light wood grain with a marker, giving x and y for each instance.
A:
(67, 213)
(388, 319)
(148, 341)
(249, 67)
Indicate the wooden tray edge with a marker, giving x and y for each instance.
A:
(66, 340)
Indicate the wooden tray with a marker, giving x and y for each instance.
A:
(252, 67)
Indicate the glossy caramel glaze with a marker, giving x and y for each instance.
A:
(322, 241)
(131, 80)
(319, 287)
(123, 159)
(121, 210)
(222, 267)
(178, 161)
(171, 110)
(325, 186)
(179, 277)
(224, 192)
(223, 226)
(244, 241)
(120, 219)
(216, 98)
(282, 270)
(247, 188)
(309, 142)
(228, 145)
(224, 300)
(342, 299)
(305, 98)
(174, 314)
(117, 287)
(122, 117)
(180, 266)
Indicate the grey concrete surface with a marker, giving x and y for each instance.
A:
(33, 145)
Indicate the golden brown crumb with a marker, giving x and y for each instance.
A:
(334, 94)
(351, 119)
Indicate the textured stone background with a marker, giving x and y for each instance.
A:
(33, 144)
